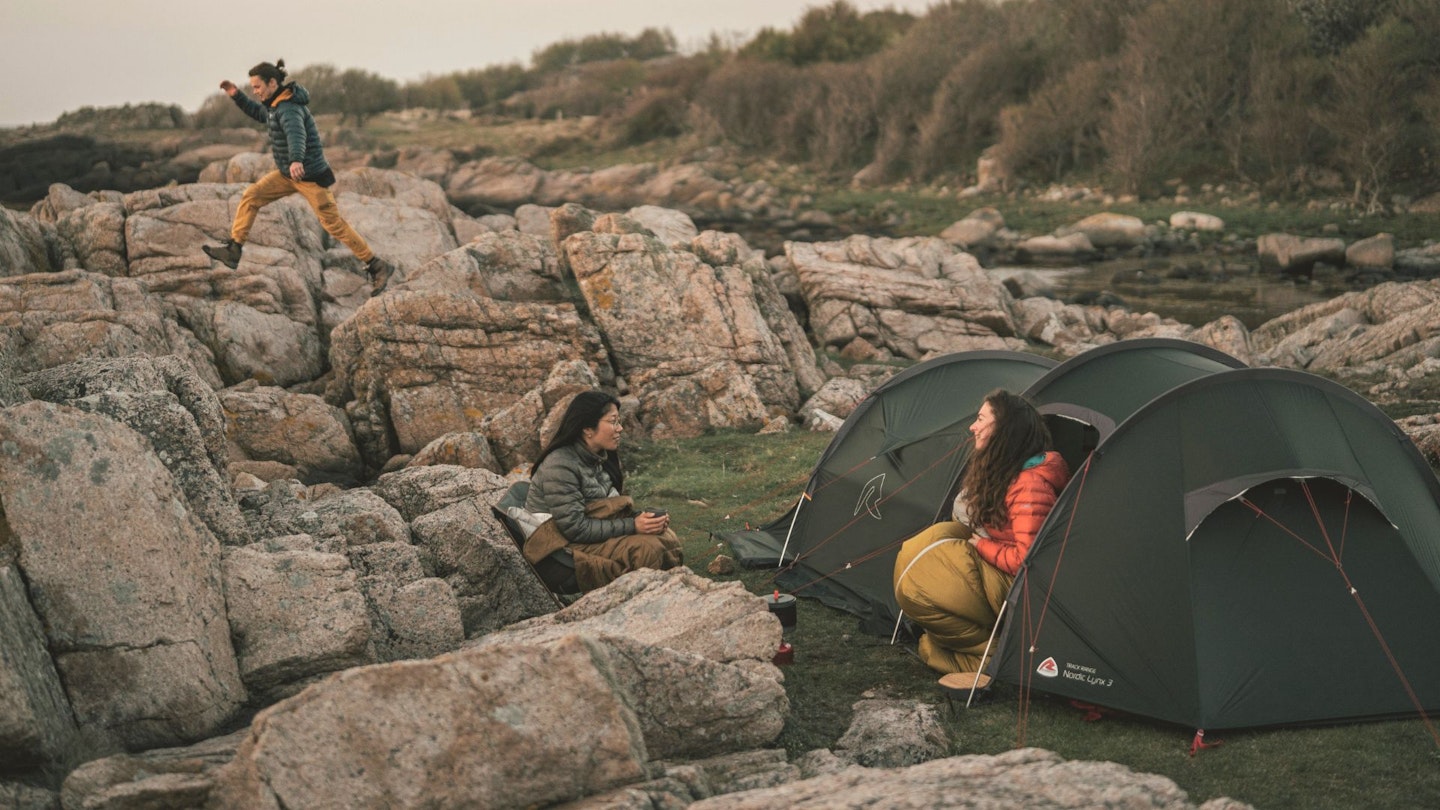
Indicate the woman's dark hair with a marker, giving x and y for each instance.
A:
(1018, 435)
(267, 71)
(584, 413)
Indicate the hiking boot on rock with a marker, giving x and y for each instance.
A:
(380, 272)
(227, 253)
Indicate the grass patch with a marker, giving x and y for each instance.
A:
(722, 481)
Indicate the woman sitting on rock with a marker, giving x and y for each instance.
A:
(951, 579)
(576, 493)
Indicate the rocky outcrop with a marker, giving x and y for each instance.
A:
(295, 612)
(1026, 777)
(471, 729)
(1196, 221)
(1050, 249)
(719, 249)
(1374, 253)
(1388, 326)
(505, 182)
(263, 423)
(688, 336)
(915, 297)
(413, 366)
(710, 627)
(37, 728)
(466, 449)
(517, 432)
(162, 777)
(838, 398)
(22, 245)
(507, 265)
(58, 318)
(483, 717)
(1421, 262)
(125, 580)
(166, 401)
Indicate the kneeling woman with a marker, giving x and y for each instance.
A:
(951, 579)
(576, 489)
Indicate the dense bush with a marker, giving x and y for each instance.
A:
(651, 43)
(488, 87)
(1183, 86)
(834, 33)
(745, 96)
(355, 94)
(128, 116)
(219, 112)
(662, 106)
(1376, 103)
(1057, 129)
(1140, 91)
(433, 92)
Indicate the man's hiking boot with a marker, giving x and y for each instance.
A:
(379, 271)
(227, 253)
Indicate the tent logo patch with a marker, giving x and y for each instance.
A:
(1048, 669)
(871, 495)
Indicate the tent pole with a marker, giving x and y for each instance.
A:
(793, 518)
(986, 654)
(895, 634)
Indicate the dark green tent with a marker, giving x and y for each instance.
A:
(1085, 397)
(888, 472)
(1253, 547)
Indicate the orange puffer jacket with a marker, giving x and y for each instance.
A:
(1027, 503)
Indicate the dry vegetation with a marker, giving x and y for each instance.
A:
(1290, 96)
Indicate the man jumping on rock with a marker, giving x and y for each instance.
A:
(300, 168)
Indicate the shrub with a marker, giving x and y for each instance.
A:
(964, 113)
(744, 98)
(219, 112)
(1332, 25)
(1279, 134)
(661, 106)
(490, 86)
(834, 33)
(1185, 75)
(650, 114)
(589, 89)
(353, 93)
(907, 74)
(1057, 130)
(433, 92)
(648, 44)
(1372, 109)
(831, 117)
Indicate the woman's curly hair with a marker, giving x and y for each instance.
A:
(1018, 435)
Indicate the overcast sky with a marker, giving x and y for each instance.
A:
(59, 55)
